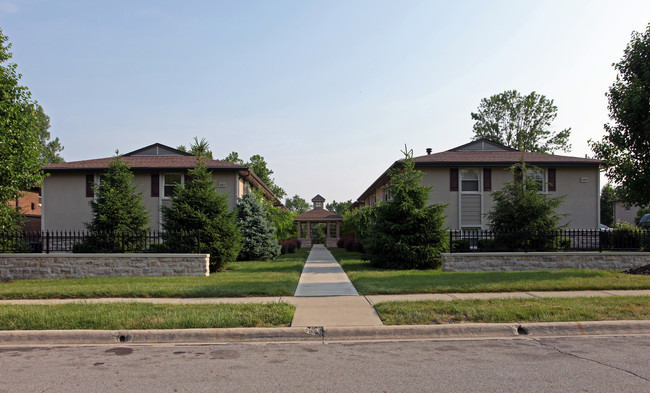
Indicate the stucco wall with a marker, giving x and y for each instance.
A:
(625, 213)
(64, 202)
(66, 207)
(580, 202)
(582, 198)
(514, 261)
(40, 266)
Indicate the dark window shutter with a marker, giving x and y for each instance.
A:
(487, 179)
(552, 184)
(155, 185)
(453, 179)
(90, 182)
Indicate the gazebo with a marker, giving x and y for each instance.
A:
(318, 215)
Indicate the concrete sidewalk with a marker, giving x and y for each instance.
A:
(326, 297)
(371, 299)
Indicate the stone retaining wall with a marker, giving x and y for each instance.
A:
(35, 266)
(494, 261)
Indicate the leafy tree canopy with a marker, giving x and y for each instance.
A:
(258, 165)
(625, 147)
(608, 197)
(520, 122)
(338, 207)
(296, 204)
(20, 140)
(233, 157)
(49, 148)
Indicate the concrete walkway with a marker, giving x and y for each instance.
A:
(326, 297)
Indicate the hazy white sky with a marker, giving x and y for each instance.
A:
(328, 92)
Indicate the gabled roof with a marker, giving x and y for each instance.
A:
(318, 198)
(157, 149)
(157, 157)
(484, 153)
(160, 158)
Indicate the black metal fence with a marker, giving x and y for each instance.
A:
(104, 242)
(554, 240)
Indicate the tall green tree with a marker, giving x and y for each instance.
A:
(608, 197)
(233, 157)
(197, 205)
(407, 234)
(625, 147)
(520, 122)
(339, 207)
(20, 148)
(259, 166)
(119, 219)
(49, 148)
(296, 204)
(258, 232)
(199, 148)
(118, 204)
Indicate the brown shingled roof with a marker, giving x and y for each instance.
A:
(318, 215)
(141, 164)
(500, 158)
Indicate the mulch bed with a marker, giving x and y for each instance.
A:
(639, 270)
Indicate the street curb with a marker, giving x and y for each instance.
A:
(324, 334)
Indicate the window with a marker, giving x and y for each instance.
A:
(539, 176)
(318, 205)
(90, 186)
(469, 180)
(171, 180)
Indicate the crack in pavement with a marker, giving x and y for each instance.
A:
(588, 359)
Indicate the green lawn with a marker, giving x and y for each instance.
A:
(515, 310)
(240, 279)
(371, 281)
(115, 316)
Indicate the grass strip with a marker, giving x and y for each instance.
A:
(515, 310)
(240, 279)
(116, 316)
(373, 281)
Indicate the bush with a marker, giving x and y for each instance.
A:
(487, 244)
(350, 243)
(563, 244)
(289, 246)
(111, 242)
(460, 245)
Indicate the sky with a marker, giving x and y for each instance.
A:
(328, 92)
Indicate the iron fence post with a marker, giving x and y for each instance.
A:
(451, 242)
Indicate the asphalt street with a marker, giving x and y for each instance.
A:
(570, 364)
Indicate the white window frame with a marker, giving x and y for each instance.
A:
(479, 173)
(163, 182)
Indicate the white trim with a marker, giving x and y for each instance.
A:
(161, 182)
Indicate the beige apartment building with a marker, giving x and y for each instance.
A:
(465, 177)
(157, 169)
